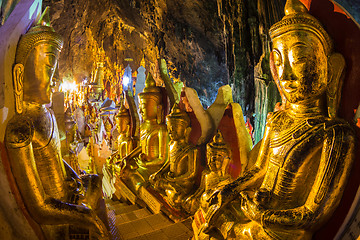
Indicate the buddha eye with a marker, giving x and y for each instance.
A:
(277, 57)
(50, 59)
(299, 54)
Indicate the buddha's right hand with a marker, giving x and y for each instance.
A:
(218, 200)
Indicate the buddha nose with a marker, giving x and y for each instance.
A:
(287, 73)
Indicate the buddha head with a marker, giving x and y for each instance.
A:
(123, 120)
(35, 63)
(150, 101)
(178, 124)
(304, 63)
(218, 153)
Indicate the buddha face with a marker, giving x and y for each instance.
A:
(215, 159)
(301, 66)
(38, 72)
(176, 129)
(122, 124)
(148, 108)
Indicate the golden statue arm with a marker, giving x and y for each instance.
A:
(252, 177)
(336, 160)
(43, 208)
(193, 163)
(163, 157)
(192, 203)
(135, 152)
(156, 178)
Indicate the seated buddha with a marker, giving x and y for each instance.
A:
(52, 192)
(176, 179)
(125, 143)
(306, 153)
(151, 155)
(216, 175)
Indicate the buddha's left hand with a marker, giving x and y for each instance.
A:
(251, 210)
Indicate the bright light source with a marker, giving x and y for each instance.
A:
(126, 81)
(67, 86)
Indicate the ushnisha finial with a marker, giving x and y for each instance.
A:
(41, 32)
(294, 7)
(123, 112)
(298, 18)
(151, 90)
(178, 116)
(218, 142)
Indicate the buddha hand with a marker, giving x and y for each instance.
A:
(218, 200)
(251, 209)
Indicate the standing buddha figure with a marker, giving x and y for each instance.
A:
(51, 191)
(218, 156)
(176, 179)
(152, 153)
(306, 153)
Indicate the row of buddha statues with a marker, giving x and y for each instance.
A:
(288, 186)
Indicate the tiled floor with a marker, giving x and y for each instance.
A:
(129, 222)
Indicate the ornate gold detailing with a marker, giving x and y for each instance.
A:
(41, 32)
(176, 179)
(306, 153)
(218, 155)
(152, 153)
(298, 18)
(51, 191)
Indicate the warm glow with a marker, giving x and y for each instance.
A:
(126, 81)
(68, 86)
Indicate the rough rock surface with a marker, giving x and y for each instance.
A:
(188, 34)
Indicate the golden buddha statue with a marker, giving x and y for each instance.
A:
(176, 179)
(218, 156)
(152, 153)
(125, 143)
(306, 152)
(51, 191)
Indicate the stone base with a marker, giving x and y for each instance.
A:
(124, 191)
(151, 201)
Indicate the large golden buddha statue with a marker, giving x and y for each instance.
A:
(306, 152)
(152, 153)
(176, 179)
(216, 175)
(51, 191)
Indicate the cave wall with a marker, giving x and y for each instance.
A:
(186, 33)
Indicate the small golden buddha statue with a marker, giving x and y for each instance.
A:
(50, 189)
(152, 153)
(306, 152)
(218, 155)
(176, 179)
(125, 143)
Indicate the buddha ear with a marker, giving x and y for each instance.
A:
(187, 133)
(159, 114)
(336, 75)
(18, 79)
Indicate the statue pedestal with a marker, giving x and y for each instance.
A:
(153, 203)
(124, 191)
(157, 203)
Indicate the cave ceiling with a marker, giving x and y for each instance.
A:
(186, 33)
